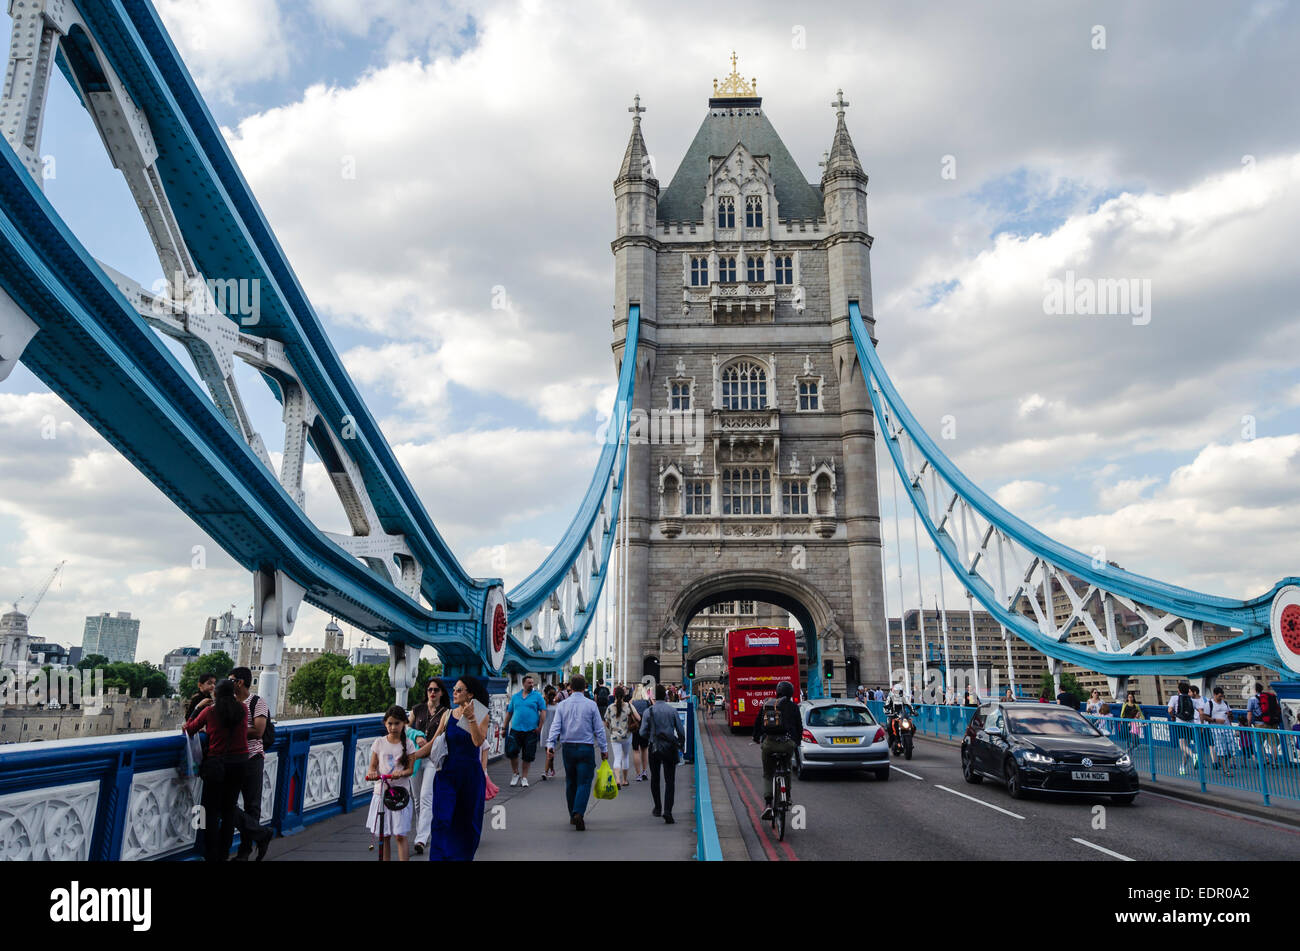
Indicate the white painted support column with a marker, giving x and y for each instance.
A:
(276, 601)
(1011, 669)
(403, 668)
(625, 506)
(943, 620)
(902, 611)
(32, 44)
(16, 332)
(920, 603)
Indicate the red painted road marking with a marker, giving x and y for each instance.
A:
(750, 801)
(730, 763)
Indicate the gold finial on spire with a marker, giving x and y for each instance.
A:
(734, 86)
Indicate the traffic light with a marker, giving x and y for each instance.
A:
(690, 670)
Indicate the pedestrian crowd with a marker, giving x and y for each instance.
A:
(430, 766)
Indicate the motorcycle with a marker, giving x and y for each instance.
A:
(901, 731)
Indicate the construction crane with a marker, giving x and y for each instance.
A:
(45, 587)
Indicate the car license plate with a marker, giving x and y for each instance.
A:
(1089, 777)
(838, 740)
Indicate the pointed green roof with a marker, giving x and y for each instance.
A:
(724, 127)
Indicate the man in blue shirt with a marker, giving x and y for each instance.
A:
(577, 721)
(527, 712)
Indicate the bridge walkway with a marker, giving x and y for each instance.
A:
(531, 823)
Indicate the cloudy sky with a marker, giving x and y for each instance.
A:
(1006, 143)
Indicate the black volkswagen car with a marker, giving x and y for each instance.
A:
(1042, 746)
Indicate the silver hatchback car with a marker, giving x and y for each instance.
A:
(840, 734)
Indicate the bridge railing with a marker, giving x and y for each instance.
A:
(708, 848)
(1246, 759)
(128, 798)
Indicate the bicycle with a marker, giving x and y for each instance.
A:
(780, 794)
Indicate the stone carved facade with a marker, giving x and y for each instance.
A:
(743, 271)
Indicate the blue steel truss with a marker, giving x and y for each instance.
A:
(980, 540)
(94, 347)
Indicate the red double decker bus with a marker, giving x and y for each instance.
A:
(758, 658)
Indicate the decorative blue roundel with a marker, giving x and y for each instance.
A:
(495, 627)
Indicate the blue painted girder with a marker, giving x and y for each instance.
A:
(99, 356)
(1254, 646)
(229, 238)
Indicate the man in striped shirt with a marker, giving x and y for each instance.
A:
(249, 821)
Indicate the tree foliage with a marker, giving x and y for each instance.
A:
(136, 678)
(427, 669)
(93, 662)
(218, 662)
(309, 685)
(1070, 683)
(368, 690)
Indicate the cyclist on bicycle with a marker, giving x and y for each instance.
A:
(778, 727)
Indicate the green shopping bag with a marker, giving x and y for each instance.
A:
(606, 786)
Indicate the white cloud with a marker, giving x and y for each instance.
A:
(1124, 492)
(226, 43)
(1220, 524)
(1023, 495)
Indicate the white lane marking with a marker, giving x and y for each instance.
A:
(990, 805)
(906, 773)
(1094, 845)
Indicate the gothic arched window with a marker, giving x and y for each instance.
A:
(754, 212)
(746, 491)
(744, 386)
(754, 269)
(726, 212)
(784, 269)
(727, 270)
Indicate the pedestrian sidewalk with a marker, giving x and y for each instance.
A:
(531, 824)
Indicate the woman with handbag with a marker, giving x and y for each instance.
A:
(222, 770)
(461, 786)
(425, 719)
(621, 720)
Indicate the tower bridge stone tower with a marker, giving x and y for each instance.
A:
(758, 479)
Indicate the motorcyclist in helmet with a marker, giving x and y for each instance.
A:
(779, 739)
(896, 705)
(896, 702)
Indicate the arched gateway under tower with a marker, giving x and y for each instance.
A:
(752, 469)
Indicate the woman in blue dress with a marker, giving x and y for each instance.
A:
(459, 788)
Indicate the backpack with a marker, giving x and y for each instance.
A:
(268, 734)
(1184, 708)
(1269, 711)
(773, 723)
